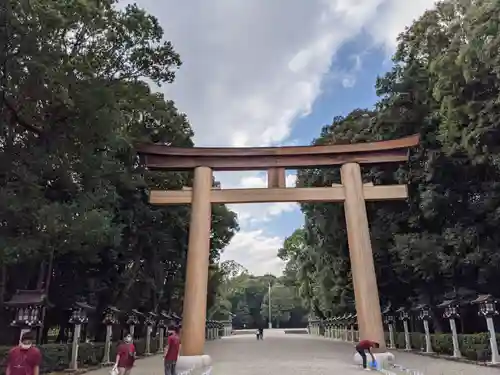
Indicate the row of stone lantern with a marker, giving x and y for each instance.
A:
(342, 327)
(134, 318)
(215, 329)
(451, 311)
(30, 305)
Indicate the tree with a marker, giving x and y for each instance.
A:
(443, 86)
(74, 209)
(284, 303)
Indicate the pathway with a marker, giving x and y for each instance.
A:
(286, 354)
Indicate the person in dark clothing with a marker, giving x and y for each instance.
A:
(261, 333)
(365, 346)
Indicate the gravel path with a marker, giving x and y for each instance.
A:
(280, 354)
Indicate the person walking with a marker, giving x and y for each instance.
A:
(125, 356)
(24, 359)
(365, 346)
(261, 333)
(172, 351)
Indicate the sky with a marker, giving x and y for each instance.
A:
(273, 73)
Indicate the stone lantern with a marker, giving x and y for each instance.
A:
(349, 330)
(338, 327)
(79, 316)
(210, 324)
(343, 327)
(29, 307)
(177, 318)
(150, 322)
(327, 325)
(331, 329)
(214, 329)
(162, 325)
(424, 315)
(355, 331)
(110, 318)
(390, 320)
(405, 318)
(334, 328)
(220, 326)
(207, 329)
(487, 309)
(133, 320)
(451, 312)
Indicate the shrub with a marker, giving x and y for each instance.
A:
(475, 347)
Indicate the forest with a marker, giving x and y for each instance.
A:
(75, 222)
(244, 299)
(443, 242)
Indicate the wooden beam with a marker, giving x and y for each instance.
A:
(256, 163)
(268, 195)
(165, 157)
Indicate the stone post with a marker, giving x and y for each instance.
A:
(405, 318)
(456, 347)
(73, 365)
(107, 344)
(149, 329)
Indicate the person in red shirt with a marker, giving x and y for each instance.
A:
(365, 346)
(172, 351)
(125, 356)
(24, 359)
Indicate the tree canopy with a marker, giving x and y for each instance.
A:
(74, 211)
(444, 85)
(244, 298)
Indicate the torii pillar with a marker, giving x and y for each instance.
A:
(360, 251)
(198, 257)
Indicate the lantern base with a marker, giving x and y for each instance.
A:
(383, 359)
(194, 364)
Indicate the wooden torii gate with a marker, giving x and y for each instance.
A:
(276, 160)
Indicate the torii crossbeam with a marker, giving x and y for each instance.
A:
(352, 192)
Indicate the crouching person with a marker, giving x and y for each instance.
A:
(365, 346)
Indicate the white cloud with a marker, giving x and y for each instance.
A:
(253, 214)
(256, 251)
(252, 67)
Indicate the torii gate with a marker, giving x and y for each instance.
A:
(276, 160)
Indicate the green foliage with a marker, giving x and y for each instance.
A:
(443, 240)
(73, 195)
(246, 297)
(475, 347)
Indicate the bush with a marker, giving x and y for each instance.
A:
(475, 347)
(56, 357)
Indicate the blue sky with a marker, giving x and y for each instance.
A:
(339, 96)
(267, 73)
(339, 100)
